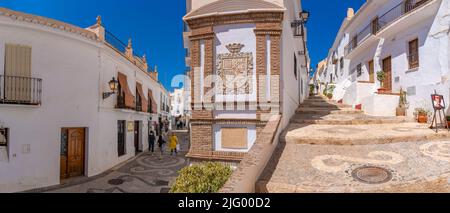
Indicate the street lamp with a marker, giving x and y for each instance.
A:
(113, 86)
(304, 15)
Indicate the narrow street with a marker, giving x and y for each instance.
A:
(344, 150)
(147, 173)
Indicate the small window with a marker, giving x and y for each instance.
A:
(359, 70)
(342, 63)
(413, 54)
(3, 137)
(295, 66)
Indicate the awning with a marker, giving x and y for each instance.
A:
(129, 98)
(144, 103)
(154, 106)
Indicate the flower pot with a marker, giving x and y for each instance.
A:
(330, 96)
(422, 118)
(448, 122)
(382, 90)
(400, 111)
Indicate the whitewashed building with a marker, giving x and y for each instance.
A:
(263, 40)
(59, 117)
(179, 98)
(406, 40)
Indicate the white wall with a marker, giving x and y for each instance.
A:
(75, 72)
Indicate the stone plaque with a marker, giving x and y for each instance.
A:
(236, 70)
(234, 138)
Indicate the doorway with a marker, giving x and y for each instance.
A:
(387, 69)
(72, 156)
(137, 136)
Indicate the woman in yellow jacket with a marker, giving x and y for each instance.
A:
(173, 144)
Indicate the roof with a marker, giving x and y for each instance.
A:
(227, 7)
(39, 20)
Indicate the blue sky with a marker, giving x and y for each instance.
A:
(156, 26)
(324, 23)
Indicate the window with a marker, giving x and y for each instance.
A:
(413, 54)
(295, 66)
(120, 97)
(3, 137)
(150, 105)
(355, 41)
(359, 70)
(138, 101)
(121, 137)
(342, 63)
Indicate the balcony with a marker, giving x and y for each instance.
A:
(20, 90)
(382, 22)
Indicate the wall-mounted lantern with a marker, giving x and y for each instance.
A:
(113, 86)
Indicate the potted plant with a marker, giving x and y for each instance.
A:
(401, 109)
(380, 77)
(330, 92)
(422, 115)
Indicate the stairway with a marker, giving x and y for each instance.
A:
(326, 142)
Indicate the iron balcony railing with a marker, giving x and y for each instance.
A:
(382, 22)
(115, 42)
(20, 90)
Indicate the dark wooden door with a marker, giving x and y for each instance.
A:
(137, 133)
(121, 134)
(387, 69)
(75, 152)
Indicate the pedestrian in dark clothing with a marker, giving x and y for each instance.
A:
(151, 142)
(161, 143)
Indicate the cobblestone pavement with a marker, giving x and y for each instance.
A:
(390, 156)
(148, 173)
(414, 166)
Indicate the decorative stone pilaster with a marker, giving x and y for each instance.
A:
(273, 31)
(129, 50)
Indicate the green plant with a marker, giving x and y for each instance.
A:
(421, 111)
(202, 178)
(448, 118)
(381, 76)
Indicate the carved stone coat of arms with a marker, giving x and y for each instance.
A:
(236, 70)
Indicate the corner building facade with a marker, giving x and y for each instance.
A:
(251, 38)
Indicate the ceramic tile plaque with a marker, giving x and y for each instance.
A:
(234, 138)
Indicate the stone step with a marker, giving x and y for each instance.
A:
(342, 119)
(360, 134)
(413, 167)
(325, 105)
(325, 111)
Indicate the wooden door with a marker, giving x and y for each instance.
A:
(371, 71)
(137, 133)
(387, 68)
(76, 152)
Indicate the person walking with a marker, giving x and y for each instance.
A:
(173, 144)
(161, 143)
(151, 142)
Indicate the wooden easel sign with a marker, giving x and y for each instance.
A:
(439, 111)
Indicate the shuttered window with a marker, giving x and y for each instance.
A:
(17, 79)
(413, 57)
(17, 60)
